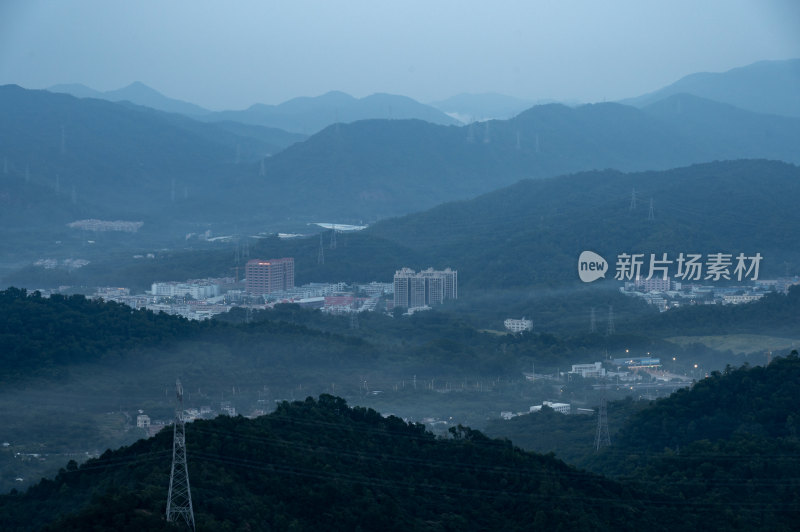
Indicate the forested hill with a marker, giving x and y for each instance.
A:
(320, 465)
(728, 447)
(378, 168)
(92, 158)
(529, 234)
(43, 336)
(732, 441)
(533, 232)
(63, 157)
(745, 403)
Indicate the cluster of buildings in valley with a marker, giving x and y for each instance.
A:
(225, 408)
(644, 375)
(271, 281)
(666, 293)
(100, 226)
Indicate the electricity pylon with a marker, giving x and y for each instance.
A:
(602, 438)
(179, 500)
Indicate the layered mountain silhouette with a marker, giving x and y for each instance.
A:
(95, 158)
(771, 87)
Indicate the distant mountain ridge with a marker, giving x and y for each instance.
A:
(487, 106)
(138, 93)
(304, 115)
(771, 87)
(96, 158)
(310, 115)
(388, 168)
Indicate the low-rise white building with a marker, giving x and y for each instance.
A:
(741, 298)
(561, 408)
(517, 326)
(589, 370)
(196, 289)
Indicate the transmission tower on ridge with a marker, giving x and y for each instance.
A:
(610, 326)
(592, 322)
(602, 439)
(179, 500)
(321, 254)
(651, 213)
(333, 237)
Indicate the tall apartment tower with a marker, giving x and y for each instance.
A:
(428, 287)
(268, 276)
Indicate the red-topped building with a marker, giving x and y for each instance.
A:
(268, 276)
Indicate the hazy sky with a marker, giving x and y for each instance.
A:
(228, 55)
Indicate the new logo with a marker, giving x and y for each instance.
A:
(591, 266)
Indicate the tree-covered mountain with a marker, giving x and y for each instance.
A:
(136, 161)
(64, 159)
(118, 158)
(319, 464)
(528, 235)
(731, 132)
(374, 169)
(531, 233)
(732, 437)
(727, 446)
(764, 87)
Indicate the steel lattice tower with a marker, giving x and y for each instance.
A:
(179, 500)
(602, 438)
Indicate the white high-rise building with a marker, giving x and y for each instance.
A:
(426, 288)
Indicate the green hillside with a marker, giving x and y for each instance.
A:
(532, 233)
(375, 169)
(98, 158)
(527, 235)
(319, 464)
(728, 446)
